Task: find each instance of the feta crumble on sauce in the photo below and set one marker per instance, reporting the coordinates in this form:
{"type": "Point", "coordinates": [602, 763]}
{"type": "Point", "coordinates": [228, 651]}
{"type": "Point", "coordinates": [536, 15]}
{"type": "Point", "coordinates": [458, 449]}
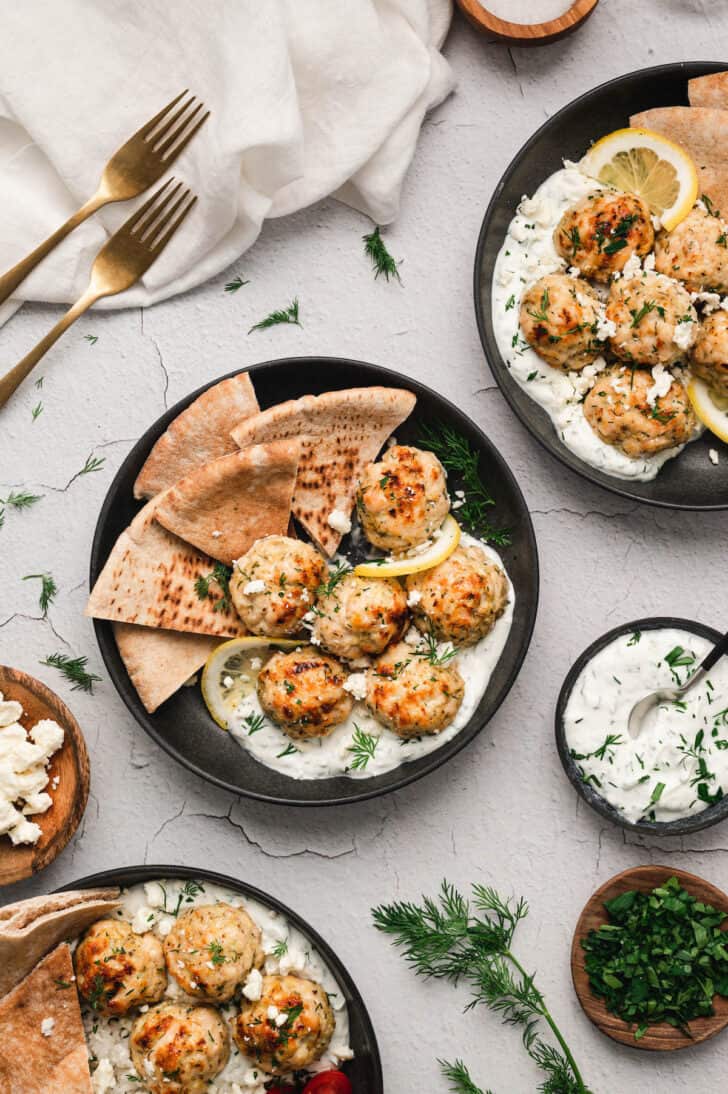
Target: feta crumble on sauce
{"type": "Point", "coordinates": [24, 759]}
{"type": "Point", "coordinates": [528, 254]}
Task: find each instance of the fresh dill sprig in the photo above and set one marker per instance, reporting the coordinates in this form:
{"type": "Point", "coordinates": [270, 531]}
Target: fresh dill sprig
{"type": "Point", "coordinates": [236, 283]}
{"type": "Point", "coordinates": [92, 339]}
{"type": "Point", "coordinates": [284, 315]}
{"type": "Point", "coordinates": [22, 500]}
{"type": "Point", "coordinates": [449, 939]}
{"type": "Point", "coordinates": [48, 590]}
{"type": "Point", "coordinates": [363, 746]}
{"type": "Point", "coordinates": [37, 411]}
{"type": "Point", "coordinates": [434, 655]}
{"type": "Point", "coordinates": [456, 455]}
{"type": "Point", "coordinates": [287, 751]}
{"type": "Point", "coordinates": [39, 381]}
{"type": "Point", "coordinates": [254, 723]}
{"type": "Point", "coordinates": [189, 891]}
{"type": "Point", "coordinates": [280, 949]}
{"type": "Point", "coordinates": [221, 575]}
{"type": "Point", "coordinates": [459, 1078]}
{"type": "Point", "coordinates": [382, 261]}
{"type": "Point", "coordinates": [93, 463]}
{"type": "Point", "coordinates": [336, 574]}
{"type": "Point", "coordinates": [74, 669]}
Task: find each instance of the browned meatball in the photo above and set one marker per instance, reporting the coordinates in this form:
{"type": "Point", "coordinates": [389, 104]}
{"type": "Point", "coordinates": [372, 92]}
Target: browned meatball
{"type": "Point", "coordinates": [117, 969]}
{"type": "Point", "coordinates": [360, 616]}
{"type": "Point", "coordinates": [709, 356]}
{"type": "Point", "coordinates": [402, 500]}
{"type": "Point", "coordinates": [654, 320]}
{"type": "Point", "coordinates": [602, 231]}
{"type": "Point", "coordinates": [618, 410]}
{"type": "Point", "coordinates": [559, 319]}
{"type": "Point", "coordinates": [460, 600]}
{"type": "Point", "coordinates": [303, 692]}
{"type": "Point", "coordinates": [211, 949]}
{"type": "Point", "coordinates": [695, 252]}
{"type": "Point", "coordinates": [274, 585]}
{"type": "Point", "coordinates": [288, 1028]}
{"type": "Point", "coordinates": [412, 696]}
{"type": "Point", "coordinates": [179, 1049]}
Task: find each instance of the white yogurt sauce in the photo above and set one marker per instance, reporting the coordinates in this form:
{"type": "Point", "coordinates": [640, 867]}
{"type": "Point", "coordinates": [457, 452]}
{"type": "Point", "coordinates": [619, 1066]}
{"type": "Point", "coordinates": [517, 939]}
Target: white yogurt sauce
{"type": "Point", "coordinates": [679, 761]}
{"type": "Point", "coordinates": [528, 254]}
{"type": "Point", "coordinates": [329, 756]}
{"type": "Point", "coordinates": [147, 907]}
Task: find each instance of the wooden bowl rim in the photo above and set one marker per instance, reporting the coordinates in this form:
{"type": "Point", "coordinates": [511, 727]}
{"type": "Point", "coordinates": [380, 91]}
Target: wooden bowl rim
{"type": "Point", "coordinates": [38, 859]}
{"type": "Point", "coordinates": [623, 882]}
{"type": "Point", "coordinates": [527, 33]}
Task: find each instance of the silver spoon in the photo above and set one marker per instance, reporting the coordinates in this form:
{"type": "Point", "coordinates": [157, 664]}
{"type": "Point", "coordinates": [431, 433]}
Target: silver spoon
{"type": "Point", "coordinates": [669, 695]}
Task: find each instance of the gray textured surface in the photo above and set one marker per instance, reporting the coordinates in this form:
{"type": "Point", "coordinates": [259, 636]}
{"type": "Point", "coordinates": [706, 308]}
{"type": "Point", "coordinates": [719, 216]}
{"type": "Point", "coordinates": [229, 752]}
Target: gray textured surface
{"type": "Point", "coordinates": [502, 812]}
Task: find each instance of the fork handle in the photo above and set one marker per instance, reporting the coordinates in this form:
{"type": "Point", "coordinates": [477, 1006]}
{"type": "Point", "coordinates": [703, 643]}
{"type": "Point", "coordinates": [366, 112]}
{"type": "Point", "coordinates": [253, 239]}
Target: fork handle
{"type": "Point", "coordinates": [14, 378]}
{"type": "Point", "coordinates": [10, 280]}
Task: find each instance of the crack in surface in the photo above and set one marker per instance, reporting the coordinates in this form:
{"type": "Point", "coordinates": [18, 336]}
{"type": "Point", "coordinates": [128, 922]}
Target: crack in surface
{"type": "Point", "coordinates": [227, 818]}
{"type": "Point", "coordinates": [160, 359]}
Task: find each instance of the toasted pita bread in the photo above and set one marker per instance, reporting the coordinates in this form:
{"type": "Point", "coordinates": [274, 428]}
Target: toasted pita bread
{"type": "Point", "coordinates": [710, 91]}
{"type": "Point", "coordinates": [703, 133]}
{"type": "Point", "coordinates": [29, 929]}
{"type": "Point", "coordinates": [160, 662]}
{"type": "Point", "coordinates": [34, 1062]}
{"type": "Point", "coordinates": [340, 432]}
{"type": "Point", "coordinates": [149, 579]}
{"type": "Point", "coordinates": [223, 507]}
{"type": "Point", "coordinates": [199, 434]}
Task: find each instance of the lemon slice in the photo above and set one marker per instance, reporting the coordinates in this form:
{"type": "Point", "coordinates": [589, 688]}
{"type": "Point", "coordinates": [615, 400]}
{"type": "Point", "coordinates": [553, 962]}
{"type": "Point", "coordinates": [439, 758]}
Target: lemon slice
{"type": "Point", "coordinates": [231, 672]}
{"type": "Point", "coordinates": [440, 549]}
{"type": "Point", "coordinates": [710, 408]}
{"type": "Point", "coordinates": [648, 164]}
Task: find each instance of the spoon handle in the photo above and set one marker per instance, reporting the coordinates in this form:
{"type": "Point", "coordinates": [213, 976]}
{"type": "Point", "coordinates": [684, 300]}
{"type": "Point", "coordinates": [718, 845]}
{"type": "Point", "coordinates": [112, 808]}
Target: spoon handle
{"type": "Point", "coordinates": [715, 654]}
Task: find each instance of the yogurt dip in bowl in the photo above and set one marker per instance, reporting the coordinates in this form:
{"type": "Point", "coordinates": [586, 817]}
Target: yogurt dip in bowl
{"type": "Point", "coordinates": [673, 778]}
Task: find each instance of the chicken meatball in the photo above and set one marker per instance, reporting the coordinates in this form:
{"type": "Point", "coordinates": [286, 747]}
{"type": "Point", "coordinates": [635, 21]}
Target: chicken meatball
{"type": "Point", "coordinates": [653, 320]}
{"type": "Point", "coordinates": [410, 695]}
{"type": "Point", "coordinates": [303, 692]}
{"type": "Point", "coordinates": [179, 1049]}
{"type": "Point", "coordinates": [211, 950]}
{"type": "Point", "coordinates": [709, 356]}
{"type": "Point", "coordinates": [559, 319]}
{"type": "Point", "coordinates": [460, 600]}
{"type": "Point", "coordinates": [360, 616]}
{"type": "Point", "coordinates": [402, 499]}
{"type": "Point", "coordinates": [600, 233]}
{"type": "Point", "coordinates": [288, 1028]}
{"type": "Point", "coordinates": [695, 252]}
{"type": "Point", "coordinates": [274, 584]}
{"type": "Point", "coordinates": [620, 413]}
{"type": "Point", "coordinates": [117, 969]}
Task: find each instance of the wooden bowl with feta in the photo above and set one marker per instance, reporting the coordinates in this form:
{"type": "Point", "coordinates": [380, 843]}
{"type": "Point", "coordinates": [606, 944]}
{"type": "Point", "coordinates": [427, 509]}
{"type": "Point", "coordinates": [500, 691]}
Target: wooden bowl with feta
{"type": "Point", "coordinates": [44, 775]}
{"type": "Point", "coordinates": [530, 29]}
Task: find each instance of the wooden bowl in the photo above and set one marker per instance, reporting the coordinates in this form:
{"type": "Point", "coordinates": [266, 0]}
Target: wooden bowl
{"type": "Point", "coordinates": [527, 34]}
{"type": "Point", "coordinates": [661, 1037]}
{"type": "Point", "coordinates": [70, 764]}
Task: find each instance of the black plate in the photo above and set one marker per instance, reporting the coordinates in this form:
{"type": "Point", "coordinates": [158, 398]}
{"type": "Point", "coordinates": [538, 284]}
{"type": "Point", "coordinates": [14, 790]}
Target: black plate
{"type": "Point", "coordinates": [182, 725]}
{"type": "Point", "coordinates": [685, 825]}
{"type": "Point", "coordinates": [365, 1070]}
{"type": "Point", "coordinates": [689, 481]}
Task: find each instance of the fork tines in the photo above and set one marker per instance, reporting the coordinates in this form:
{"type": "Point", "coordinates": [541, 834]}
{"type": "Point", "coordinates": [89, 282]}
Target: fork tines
{"type": "Point", "coordinates": [167, 134]}
{"type": "Point", "coordinates": [154, 216]}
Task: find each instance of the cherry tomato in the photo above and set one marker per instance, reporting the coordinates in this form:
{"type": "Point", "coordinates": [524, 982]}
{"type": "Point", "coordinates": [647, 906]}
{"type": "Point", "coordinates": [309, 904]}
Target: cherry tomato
{"type": "Point", "coordinates": [328, 1082]}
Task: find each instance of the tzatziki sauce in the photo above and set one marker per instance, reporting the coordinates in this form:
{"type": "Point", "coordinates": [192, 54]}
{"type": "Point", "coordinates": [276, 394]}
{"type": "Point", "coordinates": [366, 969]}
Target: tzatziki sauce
{"type": "Point", "coordinates": [678, 764]}
{"type": "Point", "coordinates": [326, 757]}
{"type": "Point", "coordinates": [528, 254]}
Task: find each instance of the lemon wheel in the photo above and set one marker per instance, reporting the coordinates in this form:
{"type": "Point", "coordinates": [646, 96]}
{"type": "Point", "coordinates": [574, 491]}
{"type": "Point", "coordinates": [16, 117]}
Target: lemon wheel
{"type": "Point", "coordinates": [231, 672]}
{"type": "Point", "coordinates": [710, 408]}
{"type": "Point", "coordinates": [649, 165]}
{"type": "Point", "coordinates": [440, 549]}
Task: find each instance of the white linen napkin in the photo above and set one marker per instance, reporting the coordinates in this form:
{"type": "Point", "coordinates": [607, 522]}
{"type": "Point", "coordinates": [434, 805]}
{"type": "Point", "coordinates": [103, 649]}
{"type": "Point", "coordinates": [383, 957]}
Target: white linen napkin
{"type": "Point", "coordinates": [308, 98]}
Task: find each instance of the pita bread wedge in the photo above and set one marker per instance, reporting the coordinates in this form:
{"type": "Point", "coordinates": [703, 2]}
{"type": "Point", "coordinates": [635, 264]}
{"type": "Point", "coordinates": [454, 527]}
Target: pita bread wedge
{"type": "Point", "coordinates": [29, 929]}
{"type": "Point", "coordinates": [223, 507]}
{"type": "Point", "coordinates": [340, 432]}
{"type": "Point", "coordinates": [703, 133]}
{"type": "Point", "coordinates": [199, 434]}
{"type": "Point", "coordinates": [160, 662]}
{"type": "Point", "coordinates": [149, 579]}
{"type": "Point", "coordinates": [710, 91]}
{"type": "Point", "coordinates": [42, 1043]}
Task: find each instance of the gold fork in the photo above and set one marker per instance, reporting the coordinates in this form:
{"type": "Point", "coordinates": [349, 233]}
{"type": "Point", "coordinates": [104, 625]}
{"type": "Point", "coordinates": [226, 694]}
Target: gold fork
{"type": "Point", "coordinates": [120, 262]}
{"type": "Point", "coordinates": [132, 169]}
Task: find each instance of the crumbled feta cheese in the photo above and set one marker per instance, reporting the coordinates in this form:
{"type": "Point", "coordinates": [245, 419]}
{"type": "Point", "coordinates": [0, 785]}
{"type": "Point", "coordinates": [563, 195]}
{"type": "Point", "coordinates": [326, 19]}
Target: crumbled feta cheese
{"type": "Point", "coordinates": [649, 262]}
{"type": "Point", "coordinates": [24, 761]}
{"type": "Point", "coordinates": [712, 455]}
{"type": "Point", "coordinates": [103, 1079]}
{"type": "Point", "coordinates": [216, 534]}
{"type": "Point", "coordinates": [227, 681]}
{"type": "Point", "coordinates": [253, 986]}
{"type": "Point", "coordinates": [339, 521]}
{"type": "Point", "coordinates": [281, 1019]}
{"type": "Point", "coordinates": [254, 587]}
{"type": "Point", "coordinates": [662, 382]}
{"type": "Point", "coordinates": [356, 685]}
{"type": "Point", "coordinates": [632, 267]}
{"type": "Point", "coordinates": [144, 918]}
{"type": "Point", "coordinates": [685, 333]}
{"type": "Point", "coordinates": [574, 271]}
{"type": "Point", "coordinates": [413, 637]}
{"type": "Point", "coordinates": [710, 301]}
{"type": "Point", "coordinates": [47, 1026]}
{"type": "Point", "coordinates": [305, 598]}
{"type": "Point", "coordinates": [415, 596]}
{"type": "Point", "coordinates": [256, 663]}
{"type": "Point", "coordinates": [273, 1012]}
{"type": "Point", "coordinates": [606, 328]}
{"type": "Point", "coordinates": [10, 711]}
